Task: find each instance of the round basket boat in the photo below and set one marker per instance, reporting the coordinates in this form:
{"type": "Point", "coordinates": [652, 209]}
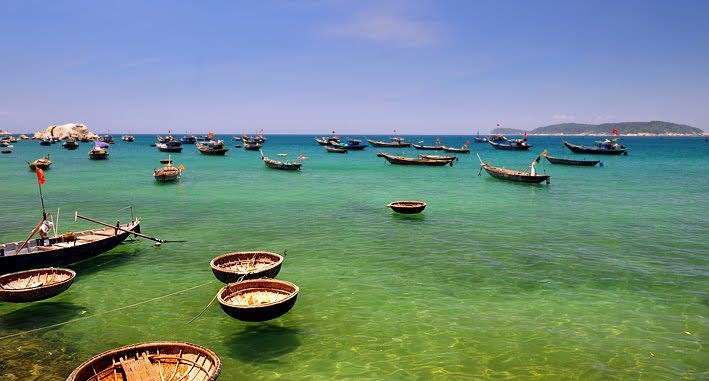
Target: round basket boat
{"type": "Point", "coordinates": [407, 207]}
{"type": "Point", "coordinates": [167, 360]}
{"type": "Point", "coordinates": [258, 299]}
{"type": "Point", "coordinates": [241, 265]}
{"type": "Point", "coordinates": [34, 285]}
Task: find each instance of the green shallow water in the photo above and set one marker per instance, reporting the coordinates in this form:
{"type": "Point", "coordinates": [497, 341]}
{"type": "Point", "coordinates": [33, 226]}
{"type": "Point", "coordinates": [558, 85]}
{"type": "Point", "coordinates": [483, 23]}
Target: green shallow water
{"type": "Point", "coordinates": [600, 275]}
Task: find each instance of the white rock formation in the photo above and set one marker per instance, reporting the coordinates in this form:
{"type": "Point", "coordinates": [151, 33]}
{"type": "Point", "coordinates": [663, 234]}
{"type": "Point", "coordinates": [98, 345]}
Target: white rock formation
{"type": "Point", "coordinates": [64, 131]}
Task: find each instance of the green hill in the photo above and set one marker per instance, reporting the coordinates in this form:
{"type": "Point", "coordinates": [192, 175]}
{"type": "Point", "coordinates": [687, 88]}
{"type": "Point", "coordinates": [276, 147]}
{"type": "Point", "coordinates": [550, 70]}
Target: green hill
{"type": "Point", "coordinates": [507, 131]}
{"type": "Point", "coordinates": [624, 128]}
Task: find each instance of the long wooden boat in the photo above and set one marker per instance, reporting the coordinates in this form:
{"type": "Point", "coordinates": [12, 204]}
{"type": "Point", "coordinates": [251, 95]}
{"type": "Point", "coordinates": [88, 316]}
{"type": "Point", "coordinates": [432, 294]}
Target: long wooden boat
{"type": "Point", "coordinates": [407, 207]}
{"type": "Point", "coordinates": [258, 299]}
{"type": "Point", "coordinates": [423, 147]}
{"type": "Point", "coordinates": [438, 157]}
{"type": "Point", "coordinates": [156, 361]}
{"type": "Point", "coordinates": [213, 148]}
{"type": "Point", "coordinates": [463, 149]}
{"type": "Point", "coordinates": [34, 285]}
{"type": "Point", "coordinates": [252, 146]}
{"type": "Point", "coordinates": [603, 147]}
{"type": "Point", "coordinates": [393, 143]}
{"type": "Point", "coordinates": [352, 144]}
{"type": "Point", "coordinates": [243, 265]}
{"type": "Point", "coordinates": [168, 172]}
{"type": "Point", "coordinates": [402, 160]}
{"type": "Point", "coordinates": [6, 151]}
{"type": "Point", "coordinates": [283, 165]}
{"type": "Point", "coordinates": [584, 163]}
{"type": "Point", "coordinates": [335, 149]}
{"type": "Point", "coordinates": [128, 138]}
{"type": "Point", "coordinates": [511, 145]}
{"type": "Point", "coordinates": [42, 163]}
{"type": "Point", "coordinates": [64, 249]}
{"type": "Point", "coordinates": [528, 176]}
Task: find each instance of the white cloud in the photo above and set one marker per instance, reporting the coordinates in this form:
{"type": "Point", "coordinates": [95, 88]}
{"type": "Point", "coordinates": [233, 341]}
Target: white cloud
{"type": "Point", "coordinates": [563, 117]}
{"type": "Point", "coordinates": [389, 28]}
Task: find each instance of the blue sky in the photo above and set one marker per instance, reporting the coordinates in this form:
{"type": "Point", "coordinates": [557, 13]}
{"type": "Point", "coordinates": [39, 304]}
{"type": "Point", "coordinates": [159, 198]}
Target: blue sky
{"type": "Point", "coordinates": [437, 67]}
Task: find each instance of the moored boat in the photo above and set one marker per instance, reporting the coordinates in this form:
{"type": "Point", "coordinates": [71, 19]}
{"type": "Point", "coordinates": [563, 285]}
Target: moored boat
{"type": "Point", "coordinates": [62, 249]}
{"type": "Point", "coordinates": [396, 142]}
{"type": "Point", "coordinates": [34, 285]}
{"type": "Point", "coordinates": [243, 265]}
{"type": "Point", "coordinates": [601, 147]}
{"type": "Point", "coordinates": [527, 176]}
{"type": "Point", "coordinates": [463, 149]}
{"type": "Point", "coordinates": [169, 146]}
{"type": "Point", "coordinates": [252, 146]}
{"type": "Point", "coordinates": [258, 299]}
{"type": "Point", "coordinates": [335, 149]}
{"type": "Point", "coordinates": [155, 361]}
{"type": "Point", "coordinates": [583, 163]}
{"type": "Point", "coordinates": [128, 138]}
{"type": "Point", "coordinates": [168, 172]}
{"type": "Point", "coordinates": [403, 160]}
{"type": "Point", "coordinates": [213, 148]}
{"type": "Point", "coordinates": [99, 152]}
{"type": "Point", "coordinates": [437, 147]}
{"type": "Point", "coordinates": [41, 163]}
{"type": "Point", "coordinates": [70, 144]}
{"type": "Point", "coordinates": [188, 139]}
{"type": "Point", "coordinates": [407, 207]}
{"type": "Point", "coordinates": [284, 165]}
{"type": "Point", "coordinates": [438, 157]}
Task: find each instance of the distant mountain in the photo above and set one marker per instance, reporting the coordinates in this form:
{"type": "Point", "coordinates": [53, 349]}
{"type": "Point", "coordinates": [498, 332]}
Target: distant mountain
{"type": "Point", "coordinates": [507, 131]}
{"type": "Point", "coordinates": [624, 128]}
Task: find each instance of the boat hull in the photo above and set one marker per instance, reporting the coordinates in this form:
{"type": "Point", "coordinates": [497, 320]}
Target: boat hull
{"type": "Point", "coordinates": [260, 312]}
{"type": "Point", "coordinates": [230, 268]}
{"type": "Point", "coordinates": [377, 143]}
{"type": "Point", "coordinates": [62, 255]}
{"type": "Point", "coordinates": [407, 207]}
{"type": "Point", "coordinates": [592, 150]}
{"type": "Point", "coordinates": [582, 163]}
{"type": "Point", "coordinates": [520, 177]}
{"type": "Point", "coordinates": [15, 287]}
{"type": "Point", "coordinates": [399, 160]}
{"type": "Point", "coordinates": [510, 147]}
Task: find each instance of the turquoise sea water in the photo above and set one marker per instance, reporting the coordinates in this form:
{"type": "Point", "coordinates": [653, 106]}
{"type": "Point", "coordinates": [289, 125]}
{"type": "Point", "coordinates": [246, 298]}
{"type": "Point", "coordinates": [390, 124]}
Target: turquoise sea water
{"type": "Point", "coordinates": [601, 275]}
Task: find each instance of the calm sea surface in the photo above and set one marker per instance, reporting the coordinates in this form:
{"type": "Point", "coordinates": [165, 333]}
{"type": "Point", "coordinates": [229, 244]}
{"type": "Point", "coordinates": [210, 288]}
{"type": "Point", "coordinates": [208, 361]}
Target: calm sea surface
{"type": "Point", "coordinates": [601, 275]}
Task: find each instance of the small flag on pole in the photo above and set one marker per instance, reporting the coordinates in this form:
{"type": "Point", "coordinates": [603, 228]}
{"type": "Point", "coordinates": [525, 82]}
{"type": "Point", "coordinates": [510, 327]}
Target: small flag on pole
{"type": "Point", "coordinates": [615, 131]}
{"type": "Point", "coordinates": [181, 167]}
{"type": "Point", "coordinates": [40, 175]}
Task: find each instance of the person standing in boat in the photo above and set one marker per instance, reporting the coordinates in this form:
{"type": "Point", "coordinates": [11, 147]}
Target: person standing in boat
{"type": "Point", "coordinates": [44, 230]}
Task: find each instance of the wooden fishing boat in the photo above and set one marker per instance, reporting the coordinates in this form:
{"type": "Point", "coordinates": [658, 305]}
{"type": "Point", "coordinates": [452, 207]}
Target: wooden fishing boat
{"type": "Point", "coordinates": [583, 163]}
{"type": "Point", "coordinates": [403, 160]}
{"type": "Point", "coordinates": [438, 157]}
{"type": "Point", "coordinates": [243, 265]}
{"type": "Point", "coordinates": [64, 249]}
{"type": "Point", "coordinates": [98, 153]}
{"type": "Point", "coordinates": [335, 149]}
{"type": "Point", "coordinates": [165, 161]}
{"type": "Point", "coordinates": [170, 146]}
{"type": "Point", "coordinates": [128, 138]}
{"type": "Point", "coordinates": [480, 140]}
{"type": "Point", "coordinates": [463, 149]}
{"type": "Point", "coordinates": [284, 165]}
{"type": "Point", "coordinates": [45, 142]}
{"type": "Point", "coordinates": [393, 143]}
{"type": "Point", "coordinates": [168, 172]}
{"type": "Point", "coordinates": [252, 146]}
{"type": "Point", "coordinates": [258, 299]}
{"type": "Point", "coordinates": [6, 151]}
{"type": "Point", "coordinates": [213, 148]}
{"type": "Point", "coordinates": [511, 145]}
{"type": "Point", "coordinates": [108, 139]}
{"type": "Point", "coordinates": [70, 144]}
{"type": "Point", "coordinates": [34, 285]}
{"type": "Point", "coordinates": [423, 147]}
{"type": "Point", "coordinates": [407, 207]}
{"type": "Point", "coordinates": [156, 361]}
{"type": "Point", "coordinates": [528, 176]}
{"type": "Point", "coordinates": [602, 147]}
{"type": "Point", "coordinates": [352, 144]}
{"type": "Point", "coordinates": [325, 140]}
{"type": "Point", "coordinates": [188, 139]}
{"type": "Point", "coordinates": [42, 163]}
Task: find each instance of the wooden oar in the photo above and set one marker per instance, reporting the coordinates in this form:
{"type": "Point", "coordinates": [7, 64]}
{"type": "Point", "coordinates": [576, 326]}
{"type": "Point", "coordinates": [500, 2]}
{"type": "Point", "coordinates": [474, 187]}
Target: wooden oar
{"type": "Point", "coordinates": [158, 240]}
{"type": "Point", "coordinates": [30, 236]}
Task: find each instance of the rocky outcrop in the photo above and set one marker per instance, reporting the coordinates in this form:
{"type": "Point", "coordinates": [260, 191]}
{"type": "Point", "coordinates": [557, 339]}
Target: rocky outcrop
{"type": "Point", "coordinates": [64, 131]}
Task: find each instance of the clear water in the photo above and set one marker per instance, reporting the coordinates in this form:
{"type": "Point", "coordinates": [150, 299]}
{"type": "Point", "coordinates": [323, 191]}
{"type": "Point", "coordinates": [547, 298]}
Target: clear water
{"type": "Point", "coordinates": [600, 275]}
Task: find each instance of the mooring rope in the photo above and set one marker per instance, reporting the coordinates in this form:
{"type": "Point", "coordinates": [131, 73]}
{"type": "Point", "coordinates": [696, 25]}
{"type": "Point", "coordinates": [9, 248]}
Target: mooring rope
{"type": "Point", "coordinates": [104, 312]}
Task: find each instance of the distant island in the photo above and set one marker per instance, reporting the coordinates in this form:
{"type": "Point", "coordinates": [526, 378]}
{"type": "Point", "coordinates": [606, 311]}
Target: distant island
{"type": "Point", "coordinates": [653, 128]}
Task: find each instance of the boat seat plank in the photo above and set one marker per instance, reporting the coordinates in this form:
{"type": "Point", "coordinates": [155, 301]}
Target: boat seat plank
{"type": "Point", "coordinates": [140, 369]}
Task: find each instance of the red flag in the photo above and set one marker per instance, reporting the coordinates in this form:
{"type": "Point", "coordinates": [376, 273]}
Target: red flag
{"type": "Point", "coordinates": [615, 131]}
{"type": "Point", "coordinates": [40, 175]}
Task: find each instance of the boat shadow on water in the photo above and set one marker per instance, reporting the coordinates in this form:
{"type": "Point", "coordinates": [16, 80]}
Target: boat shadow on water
{"type": "Point", "coordinates": [268, 340]}
{"type": "Point", "coordinates": [39, 314]}
{"type": "Point", "coordinates": [115, 258]}
{"type": "Point", "coordinates": [418, 217]}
